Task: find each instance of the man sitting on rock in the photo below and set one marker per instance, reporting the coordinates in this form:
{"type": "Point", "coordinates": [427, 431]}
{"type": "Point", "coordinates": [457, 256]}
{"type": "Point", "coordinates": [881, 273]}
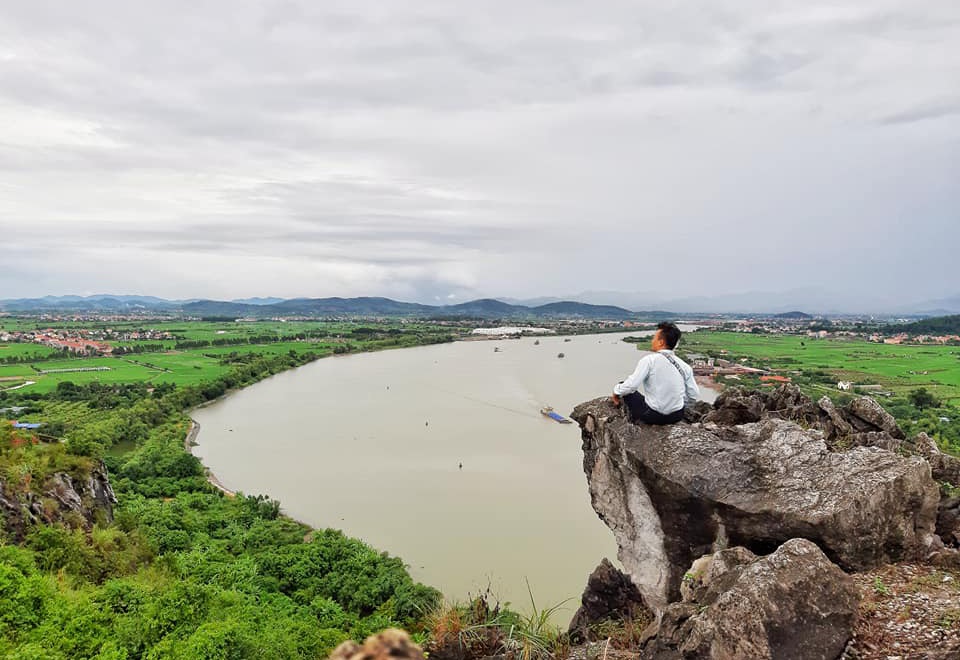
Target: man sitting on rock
{"type": "Point", "coordinates": [667, 381]}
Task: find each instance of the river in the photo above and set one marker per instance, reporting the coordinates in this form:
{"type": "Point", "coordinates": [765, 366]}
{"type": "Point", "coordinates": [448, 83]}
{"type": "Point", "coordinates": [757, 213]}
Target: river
{"type": "Point", "coordinates": [373, 444]}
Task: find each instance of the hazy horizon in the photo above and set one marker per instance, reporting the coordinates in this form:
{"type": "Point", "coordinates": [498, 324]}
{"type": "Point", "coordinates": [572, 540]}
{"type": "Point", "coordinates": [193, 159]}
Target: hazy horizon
{"type": "Point", "coordinates": [437, 152]}
{"type": "Point", "coordinates": [809, 301]}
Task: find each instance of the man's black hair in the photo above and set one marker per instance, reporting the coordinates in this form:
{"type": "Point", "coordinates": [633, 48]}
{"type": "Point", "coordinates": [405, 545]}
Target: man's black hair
{"type": "Point", "coordinates": [670, 333]}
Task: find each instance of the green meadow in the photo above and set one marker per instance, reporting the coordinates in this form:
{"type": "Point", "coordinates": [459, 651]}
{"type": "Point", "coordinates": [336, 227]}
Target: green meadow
{"type": "Point", "coordinates": [21, 350]}
{"type": "Point", "coordinates": [223, 342]}
{"type": "Point", "coordinates": [210, 330]}
{"type": "Point", "coordinates": [178, 367]}
{"type": "Point", "coordinates": [897, 368]}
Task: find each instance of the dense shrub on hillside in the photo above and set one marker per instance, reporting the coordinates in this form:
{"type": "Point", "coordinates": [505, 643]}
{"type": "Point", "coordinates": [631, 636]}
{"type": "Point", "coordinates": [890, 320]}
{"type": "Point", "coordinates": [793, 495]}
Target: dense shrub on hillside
{"type": "Point", "coordinates": [198, 575]}
{"type": "Point", "coordinates": [183, 571]}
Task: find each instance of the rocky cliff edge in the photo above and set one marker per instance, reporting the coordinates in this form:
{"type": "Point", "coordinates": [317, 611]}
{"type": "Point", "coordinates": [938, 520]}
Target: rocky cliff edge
{"type": "Point", "coordinates": [756, 470]}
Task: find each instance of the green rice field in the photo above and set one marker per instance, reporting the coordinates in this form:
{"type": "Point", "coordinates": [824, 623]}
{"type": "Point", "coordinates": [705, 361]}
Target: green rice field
{"type": "Point", "coordinates": [178, 367]}
{"type": "Point", "coordinates": [20, 350]}
{"type": "Point", "coordinates": [898, 368]}
{"type": "Point", "coordinates": [187, 365]}
{"type": "Point", "coordinates": [204, 330]}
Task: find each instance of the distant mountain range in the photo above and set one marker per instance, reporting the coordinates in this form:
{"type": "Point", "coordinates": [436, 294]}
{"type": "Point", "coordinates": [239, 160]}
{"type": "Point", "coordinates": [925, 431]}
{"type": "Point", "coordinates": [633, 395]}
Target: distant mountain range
{"type": "Point", "coordinates": [587, 304]}
{"type": "Point", "coordinates": [486, 308]}
{"type": "Point", "coordinates": [98, 303]}
{"type": "Point", "coordinates": [258, 301]}
{"type": "Point", "coordinates": [812, 300]}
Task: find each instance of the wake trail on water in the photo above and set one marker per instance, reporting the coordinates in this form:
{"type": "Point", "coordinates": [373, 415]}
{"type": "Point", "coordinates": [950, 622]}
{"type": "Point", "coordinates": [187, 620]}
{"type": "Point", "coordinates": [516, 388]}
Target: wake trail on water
{"type": "Point", "coordinates": [480, 401]}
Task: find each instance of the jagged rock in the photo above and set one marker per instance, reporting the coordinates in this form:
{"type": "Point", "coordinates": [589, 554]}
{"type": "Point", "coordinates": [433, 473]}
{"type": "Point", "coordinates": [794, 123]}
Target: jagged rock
{"type": "Point", "coordinates": [948, 521]}
{"type": "Point", "coordinates": [793, 603]}
{"type": "Point", "coordinates": [391, 644]}
{"type": "Point", "coordinates": [669, 493]}
{"type": "Point", "coordinates": [738, 405]}
{"type": "Point", "coordinates": [880, 439]}
{"type": "Point", "coordinates": [943, 467]}
{"type": "Point", "coordinates": [788, 402]}
{"type": "Point", "coordinates": [696, 411]}
{"type": "Point", "coordinates": [610, 595]}
{"type": "Point", "coordinates": [709, 568]}
{"type": "Point", "coordinates": [80, 498]}
{"type": "Point", "coordinates": [865, 414]}
{"type": "Point", "coordinates": [735, 406]}
{"type": "Point", "coordinates": [834, 424]}
{"type": "Point", "coordinates": [857, 424]}
{"type": "Point", "coordinates": [661, 641]}
{"type": "Point", "coordinates": [60, 487]}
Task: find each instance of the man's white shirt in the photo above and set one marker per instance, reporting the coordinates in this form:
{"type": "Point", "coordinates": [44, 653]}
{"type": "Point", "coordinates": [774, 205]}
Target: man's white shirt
{"type": "Point", "coordinates": [665, 389]}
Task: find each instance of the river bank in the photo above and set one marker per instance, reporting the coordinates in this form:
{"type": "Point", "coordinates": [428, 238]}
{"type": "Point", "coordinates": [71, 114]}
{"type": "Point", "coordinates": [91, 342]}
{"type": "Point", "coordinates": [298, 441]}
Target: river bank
{"type": "Point", "coordinates": [438, 454]}
{"type": "Point", "coordinates": [188, 443]}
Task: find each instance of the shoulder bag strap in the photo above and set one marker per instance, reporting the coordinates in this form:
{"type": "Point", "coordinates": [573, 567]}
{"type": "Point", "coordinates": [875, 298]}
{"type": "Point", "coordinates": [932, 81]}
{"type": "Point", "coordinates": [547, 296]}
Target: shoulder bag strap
{"type": "Point", "coordinates": [674, 363]}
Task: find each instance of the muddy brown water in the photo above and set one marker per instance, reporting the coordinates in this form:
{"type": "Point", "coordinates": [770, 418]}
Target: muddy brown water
{"type": "Point", "coordinates": [373, 444]}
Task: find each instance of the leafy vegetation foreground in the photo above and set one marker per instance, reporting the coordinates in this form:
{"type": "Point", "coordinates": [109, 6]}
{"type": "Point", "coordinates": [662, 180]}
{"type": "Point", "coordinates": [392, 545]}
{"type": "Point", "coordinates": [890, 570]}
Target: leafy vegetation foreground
{"type": "Point", "coordinates": [181, 571]}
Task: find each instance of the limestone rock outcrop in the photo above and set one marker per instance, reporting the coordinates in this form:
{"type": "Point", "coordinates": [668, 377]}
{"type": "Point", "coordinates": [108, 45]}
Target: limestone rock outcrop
{"type": "Point", "coordinates": [862, 422]}
{"type": "Point", "coordinates": [793, 603]}
{"type": "Point", "coordinates": [79, 499]}
{"type": "Point", "coordinates": [944, 467]}
{"type": "Point", "coordinates": [609, 595]}
{"type": "Point", "coordinates": [755, 471]}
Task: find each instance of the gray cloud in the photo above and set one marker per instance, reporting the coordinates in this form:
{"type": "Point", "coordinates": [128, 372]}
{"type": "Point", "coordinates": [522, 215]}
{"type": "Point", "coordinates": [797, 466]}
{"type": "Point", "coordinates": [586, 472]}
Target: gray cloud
{"type": "Point", "coordinates": [933, 110]}
{"type": "Point", "coordinates": [503, 148]}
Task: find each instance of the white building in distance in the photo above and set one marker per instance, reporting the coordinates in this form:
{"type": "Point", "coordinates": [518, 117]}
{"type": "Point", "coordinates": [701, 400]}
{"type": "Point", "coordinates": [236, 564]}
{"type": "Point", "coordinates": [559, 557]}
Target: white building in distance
{"type": "Point", "coordinates": [506, 331]}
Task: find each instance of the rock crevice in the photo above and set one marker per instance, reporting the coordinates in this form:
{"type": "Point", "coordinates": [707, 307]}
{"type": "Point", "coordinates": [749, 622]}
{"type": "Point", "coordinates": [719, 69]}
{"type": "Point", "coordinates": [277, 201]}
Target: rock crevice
{"type": "Point", "coordinates": [77, 500]}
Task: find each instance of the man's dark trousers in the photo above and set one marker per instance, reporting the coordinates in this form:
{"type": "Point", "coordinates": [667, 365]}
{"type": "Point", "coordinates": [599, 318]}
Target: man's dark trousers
{"type": "Point", "coordinates": [641, 412]}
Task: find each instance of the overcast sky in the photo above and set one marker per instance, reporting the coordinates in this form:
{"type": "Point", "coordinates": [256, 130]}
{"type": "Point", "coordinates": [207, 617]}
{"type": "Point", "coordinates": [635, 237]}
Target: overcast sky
{"type": "Point", "coordinates": [446, 150]}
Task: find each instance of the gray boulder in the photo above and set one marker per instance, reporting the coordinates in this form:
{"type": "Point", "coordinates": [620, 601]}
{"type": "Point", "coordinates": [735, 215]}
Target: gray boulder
{"type": "Point", "coordinates": [793, 603]}
{"type": "Point", "coordinates": [670, 494]}
{"type": "Point", "coordinates": [832, 422]}
{"type": "Point", "coordinates": [866, 414]}
{"type": "Point", "coordinates": [944, 467]}
{"type": "Point", "coordinates": [862, 422]}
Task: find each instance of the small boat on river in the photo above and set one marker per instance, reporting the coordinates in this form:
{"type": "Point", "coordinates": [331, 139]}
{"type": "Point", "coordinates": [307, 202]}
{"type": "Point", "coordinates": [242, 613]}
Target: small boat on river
{"type": "Point", "coordinates": [555, 416]}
